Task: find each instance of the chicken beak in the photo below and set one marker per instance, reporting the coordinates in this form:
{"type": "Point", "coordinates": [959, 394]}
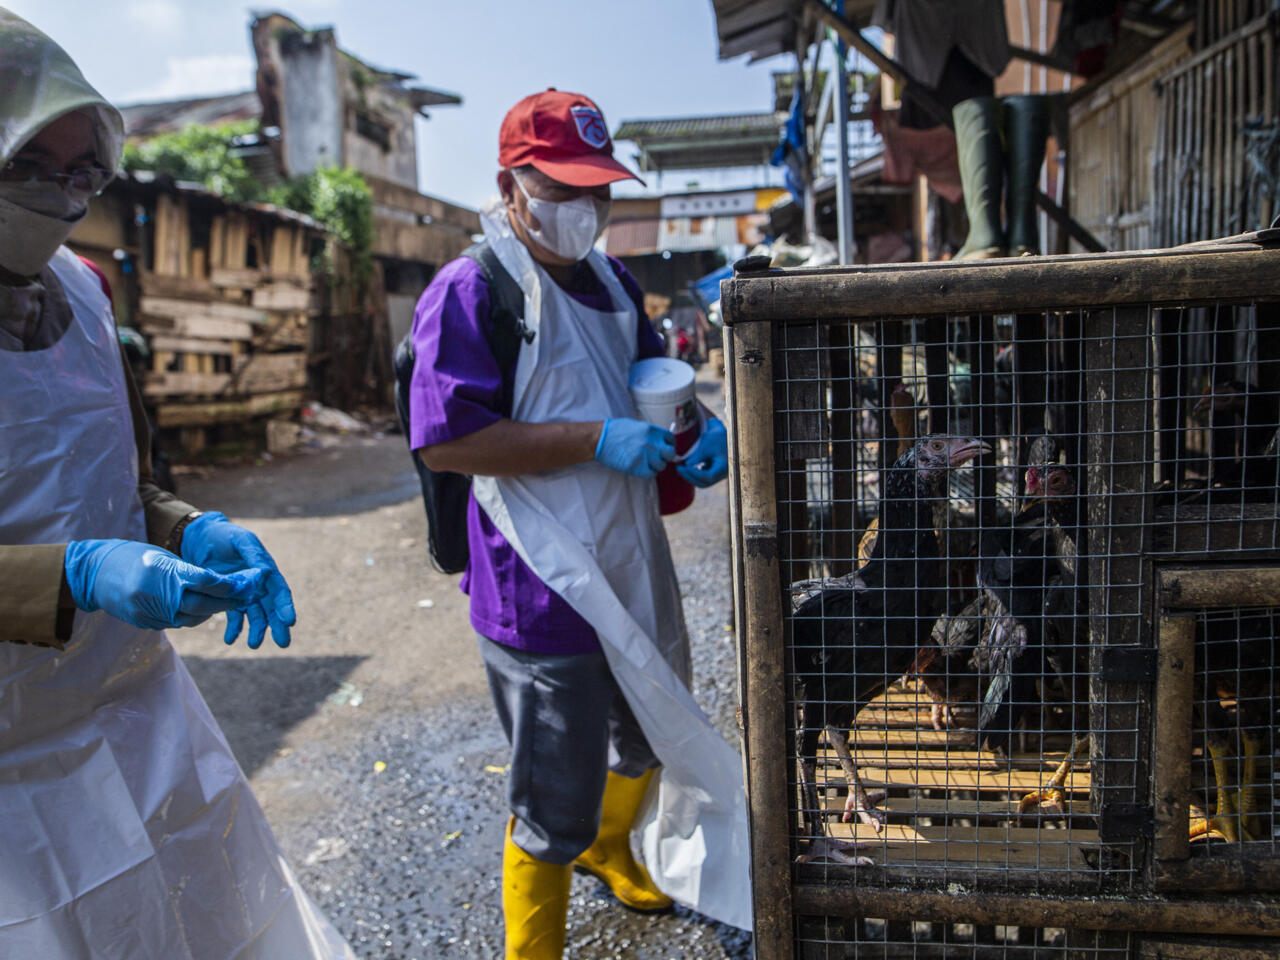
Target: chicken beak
{"type": "Point", "coordinates": [962, 451]}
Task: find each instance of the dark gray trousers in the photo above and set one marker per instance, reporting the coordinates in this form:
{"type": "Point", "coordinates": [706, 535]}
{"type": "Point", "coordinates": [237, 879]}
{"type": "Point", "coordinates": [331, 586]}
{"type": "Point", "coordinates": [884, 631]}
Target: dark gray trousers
{"type": "Point", "coordinates": [568, 724]}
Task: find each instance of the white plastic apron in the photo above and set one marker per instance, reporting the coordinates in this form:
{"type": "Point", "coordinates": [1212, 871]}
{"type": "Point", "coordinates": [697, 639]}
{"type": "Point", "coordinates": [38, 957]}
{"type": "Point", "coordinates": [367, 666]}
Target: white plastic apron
{"type": "Point", "coordinates": [127, 829]}
{"type": "Point", "coordinates": [594, 536]}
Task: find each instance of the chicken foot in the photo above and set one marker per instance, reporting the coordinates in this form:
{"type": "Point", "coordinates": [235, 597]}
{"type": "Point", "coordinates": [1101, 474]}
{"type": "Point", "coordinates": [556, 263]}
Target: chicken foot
{"type": "Point", "coordinates": [1248, 805]}
{"type": "Point", "coordinates": [859, 802]}
{"type": "Point", "coordinates": [1225, 822]}
{"type": "Point", "coordinates": [822, 847]}
{"type": "Point", "coordinates": [1052, 792]}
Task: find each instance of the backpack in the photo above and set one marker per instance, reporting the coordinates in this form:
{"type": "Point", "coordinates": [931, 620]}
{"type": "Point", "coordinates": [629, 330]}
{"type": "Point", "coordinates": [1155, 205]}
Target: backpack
{"type": "Point", "coordinates": [444, 494]}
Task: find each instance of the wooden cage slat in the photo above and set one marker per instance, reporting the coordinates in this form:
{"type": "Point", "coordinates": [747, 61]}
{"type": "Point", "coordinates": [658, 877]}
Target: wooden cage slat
{"type": "Point", "coordinates": [1171, 751]}
{"type": "Point", "coordinates": [1006, 286]}
{"type": "Point", "coordinates": [1120, 447]}
{"type": "Point", "coordinates": [762, 641]}
{"type": "Point", "coordinates": [1220, 587]}
{"type": "Point", "coordinates": [1247, 916]}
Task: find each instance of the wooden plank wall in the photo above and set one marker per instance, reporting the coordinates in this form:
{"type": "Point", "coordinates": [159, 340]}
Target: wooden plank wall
{"type": "Point", "coordinates": [1113, 142]}
{"type": "Point", "coordinates": [1219, 19]}
{"type": "Point", "coordinates": [1205, 184]}
{"type": "Point", "coordinates": [228, 339]}
{"type": "Point", "coordinates": [1160, 152]}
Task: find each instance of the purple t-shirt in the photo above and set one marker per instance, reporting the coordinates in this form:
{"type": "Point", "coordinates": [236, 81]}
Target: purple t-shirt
{"type": "Point", "coordinates": [458, 389]}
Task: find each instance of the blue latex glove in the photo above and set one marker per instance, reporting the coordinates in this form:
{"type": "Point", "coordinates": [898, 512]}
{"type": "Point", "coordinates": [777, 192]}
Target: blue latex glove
{"type": "Point", "coordinates": [708, 461]}
{"type": "Point", "coordinates": [213, 541]}
{"type": "Point", "coordinates": [634, 447]}
{"type": "Point", "coordinates": [149, 587]}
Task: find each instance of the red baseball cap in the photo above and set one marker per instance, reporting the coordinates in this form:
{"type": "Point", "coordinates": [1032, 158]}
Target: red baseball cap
{"type": "Point", "coordinates": [564, 136]}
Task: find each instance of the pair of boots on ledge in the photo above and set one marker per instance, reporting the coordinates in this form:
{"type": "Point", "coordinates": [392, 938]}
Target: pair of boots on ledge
{"type": "Point", "coordinates": [1000, 144]}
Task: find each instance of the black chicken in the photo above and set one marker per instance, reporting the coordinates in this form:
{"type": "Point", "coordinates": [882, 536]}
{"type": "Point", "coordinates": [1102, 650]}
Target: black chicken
{"type": "Point", "coordinates": [1030, 587]}
{"type": "Point", "coordinates": [851, 641]}
{"type": "Point", "coordinates": [1244, 422]}
{"type": "Point", "coordinates": [1066, 618]}
{"type": "Point", "coordinates": [957, 662]}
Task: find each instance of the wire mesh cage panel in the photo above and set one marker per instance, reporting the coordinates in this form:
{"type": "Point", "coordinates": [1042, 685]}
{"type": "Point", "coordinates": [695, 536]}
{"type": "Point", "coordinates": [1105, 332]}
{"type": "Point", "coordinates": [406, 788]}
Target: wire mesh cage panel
{"type": "Point", "coordinates": [970, 504]}
{"type": "Point", "coordinates": [827, 938]}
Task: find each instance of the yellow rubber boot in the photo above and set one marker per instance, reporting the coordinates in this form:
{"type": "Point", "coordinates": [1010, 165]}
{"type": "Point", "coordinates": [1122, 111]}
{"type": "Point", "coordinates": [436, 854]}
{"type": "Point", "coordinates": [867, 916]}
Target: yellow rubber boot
{"type": "Point", "coordinates": [609, 857]}
{"type": "Point", "coordinates": [535, 901]}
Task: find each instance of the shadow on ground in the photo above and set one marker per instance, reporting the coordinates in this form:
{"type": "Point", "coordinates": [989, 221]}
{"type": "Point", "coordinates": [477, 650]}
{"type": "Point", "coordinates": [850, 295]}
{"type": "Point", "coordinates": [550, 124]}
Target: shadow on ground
{"type": "Point", "coordinates": [280, 693]}
{"type": "Point", "coordinates": [353, 475]}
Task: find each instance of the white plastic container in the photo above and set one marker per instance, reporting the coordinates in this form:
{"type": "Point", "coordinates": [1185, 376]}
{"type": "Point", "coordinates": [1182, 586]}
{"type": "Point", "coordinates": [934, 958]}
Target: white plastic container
{"type": "Point", "coordinates": [664, 394]}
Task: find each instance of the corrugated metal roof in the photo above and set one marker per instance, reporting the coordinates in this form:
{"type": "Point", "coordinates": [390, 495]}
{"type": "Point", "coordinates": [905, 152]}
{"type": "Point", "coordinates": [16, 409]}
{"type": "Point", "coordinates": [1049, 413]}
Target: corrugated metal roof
{"type": "Point", "coordinates": [761, 28]}
{"type": "Point", "coordinates": [148, 119]}
{"type": "Point", "coordinates": [690, 143]}
{"type": "Point", "coordinates": [691, 128]}
{"type": "Point", "coordinates": [632, 238]}
{"type": "Point", "coordinates": [765, 28]}
{"type": "Point", "coordinates": [686, 234]}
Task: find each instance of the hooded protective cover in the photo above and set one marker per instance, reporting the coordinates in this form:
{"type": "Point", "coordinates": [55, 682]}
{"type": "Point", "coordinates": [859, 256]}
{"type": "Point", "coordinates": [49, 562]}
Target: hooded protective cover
{"type": "Point", "coordinates": [38, 84]}
{"type": "Point", "coordinates": [126, 826]}
{"type": "Point", "coordinates": [611, 562]}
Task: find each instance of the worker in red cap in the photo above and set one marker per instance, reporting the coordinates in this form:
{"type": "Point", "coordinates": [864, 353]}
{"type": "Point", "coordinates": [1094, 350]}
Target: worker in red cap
{"type": "Point", "coordinates": [523, 351]}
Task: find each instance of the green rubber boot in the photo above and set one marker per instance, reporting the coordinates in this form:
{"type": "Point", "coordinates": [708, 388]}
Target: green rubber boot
{"type": "Point", "coordinates": [981, 156]}
{"type": "Point", "coordinates": [1026, 125]}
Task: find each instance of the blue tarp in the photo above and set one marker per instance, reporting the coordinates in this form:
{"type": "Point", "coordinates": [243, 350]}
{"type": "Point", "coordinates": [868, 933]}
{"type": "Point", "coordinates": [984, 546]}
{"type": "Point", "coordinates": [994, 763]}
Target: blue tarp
{"type": "Point", "coordinates": [708, 288]}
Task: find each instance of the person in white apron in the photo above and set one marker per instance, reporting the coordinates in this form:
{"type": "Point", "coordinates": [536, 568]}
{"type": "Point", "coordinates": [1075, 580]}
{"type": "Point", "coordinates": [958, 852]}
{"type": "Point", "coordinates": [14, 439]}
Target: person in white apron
{"type": "Point", "coordinates": [128, 829]}
{"type": "Point", "coordinates": [573, 592]}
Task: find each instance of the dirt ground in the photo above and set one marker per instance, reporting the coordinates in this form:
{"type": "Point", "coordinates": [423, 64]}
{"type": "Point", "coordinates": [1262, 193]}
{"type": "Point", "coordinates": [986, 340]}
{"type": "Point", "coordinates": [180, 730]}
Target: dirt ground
{"type": "Point", "coordinates": [371, 742]}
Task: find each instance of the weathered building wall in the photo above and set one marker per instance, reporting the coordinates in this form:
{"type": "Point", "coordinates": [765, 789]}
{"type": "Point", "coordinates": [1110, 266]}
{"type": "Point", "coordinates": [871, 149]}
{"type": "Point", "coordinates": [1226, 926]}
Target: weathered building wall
{"type": "Point", "coordinates": [312, 105]}
{"type": "Point", "coordinates": [409, 225]}
{"type": "Point", "coordinates": [377, 131]}
{"type": "Point", "coordinates": [298, 84]}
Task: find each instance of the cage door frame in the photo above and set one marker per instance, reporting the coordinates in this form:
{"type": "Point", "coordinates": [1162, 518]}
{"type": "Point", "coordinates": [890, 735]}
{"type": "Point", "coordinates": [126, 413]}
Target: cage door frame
{"type": "Point", "coordinates": [1181, 591]}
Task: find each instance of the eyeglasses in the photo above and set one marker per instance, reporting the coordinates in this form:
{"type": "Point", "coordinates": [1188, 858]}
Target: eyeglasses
{"type": "Point", "coordinates": [89, 180]}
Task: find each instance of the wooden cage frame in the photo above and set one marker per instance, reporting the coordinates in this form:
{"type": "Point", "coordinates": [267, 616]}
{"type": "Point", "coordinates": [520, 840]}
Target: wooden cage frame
{"type": "Point", "coordinates": [757, 302]}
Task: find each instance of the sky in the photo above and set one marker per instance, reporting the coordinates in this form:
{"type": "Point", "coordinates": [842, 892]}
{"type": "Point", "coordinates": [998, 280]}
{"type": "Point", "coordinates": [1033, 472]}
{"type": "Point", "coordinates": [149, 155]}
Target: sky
{"type": "Point", "coordinates": [639, 59]}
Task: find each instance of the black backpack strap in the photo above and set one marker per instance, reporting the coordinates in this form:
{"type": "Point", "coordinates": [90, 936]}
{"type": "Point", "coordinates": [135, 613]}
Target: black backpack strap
{"type": "Point", "coordinates": [506, 306]}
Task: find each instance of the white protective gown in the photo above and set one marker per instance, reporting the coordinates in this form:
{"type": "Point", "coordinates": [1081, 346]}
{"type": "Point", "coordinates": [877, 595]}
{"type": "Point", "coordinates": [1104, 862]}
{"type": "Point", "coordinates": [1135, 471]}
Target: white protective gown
{"type": "Point", "coordinates": [127, 828]}
{"type": "Point", "coordinates": [594, 536]}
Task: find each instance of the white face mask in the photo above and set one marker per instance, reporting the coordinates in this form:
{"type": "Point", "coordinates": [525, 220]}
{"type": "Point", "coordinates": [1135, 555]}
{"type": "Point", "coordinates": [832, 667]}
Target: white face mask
{"type": "Point", "coordinates": [35, 219]}
{"type": "Point", "coordinates": [569, 229]}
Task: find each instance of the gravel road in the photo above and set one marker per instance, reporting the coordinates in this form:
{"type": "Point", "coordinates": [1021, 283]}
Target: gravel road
{"type": "Point", "coordinates": [371, 742]}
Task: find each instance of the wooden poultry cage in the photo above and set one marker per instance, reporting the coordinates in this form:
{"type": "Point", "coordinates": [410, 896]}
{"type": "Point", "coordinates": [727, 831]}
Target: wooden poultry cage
{"type": "Point", "coordinates": [999, 528]}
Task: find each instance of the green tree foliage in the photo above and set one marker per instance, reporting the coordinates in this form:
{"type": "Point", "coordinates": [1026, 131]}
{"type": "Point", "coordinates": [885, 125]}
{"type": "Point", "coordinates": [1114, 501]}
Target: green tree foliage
{"type": "Point", "coordinates": [203, 155]}
{"type": "Point", "coordinates": [341, 200]}
{"type": "Point", "coordinates": [338, 198]}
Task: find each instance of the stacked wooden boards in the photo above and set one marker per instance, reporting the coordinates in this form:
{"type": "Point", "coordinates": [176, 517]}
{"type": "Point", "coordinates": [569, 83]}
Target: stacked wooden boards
{"type": "Point", "coordinates": [226, 316]}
